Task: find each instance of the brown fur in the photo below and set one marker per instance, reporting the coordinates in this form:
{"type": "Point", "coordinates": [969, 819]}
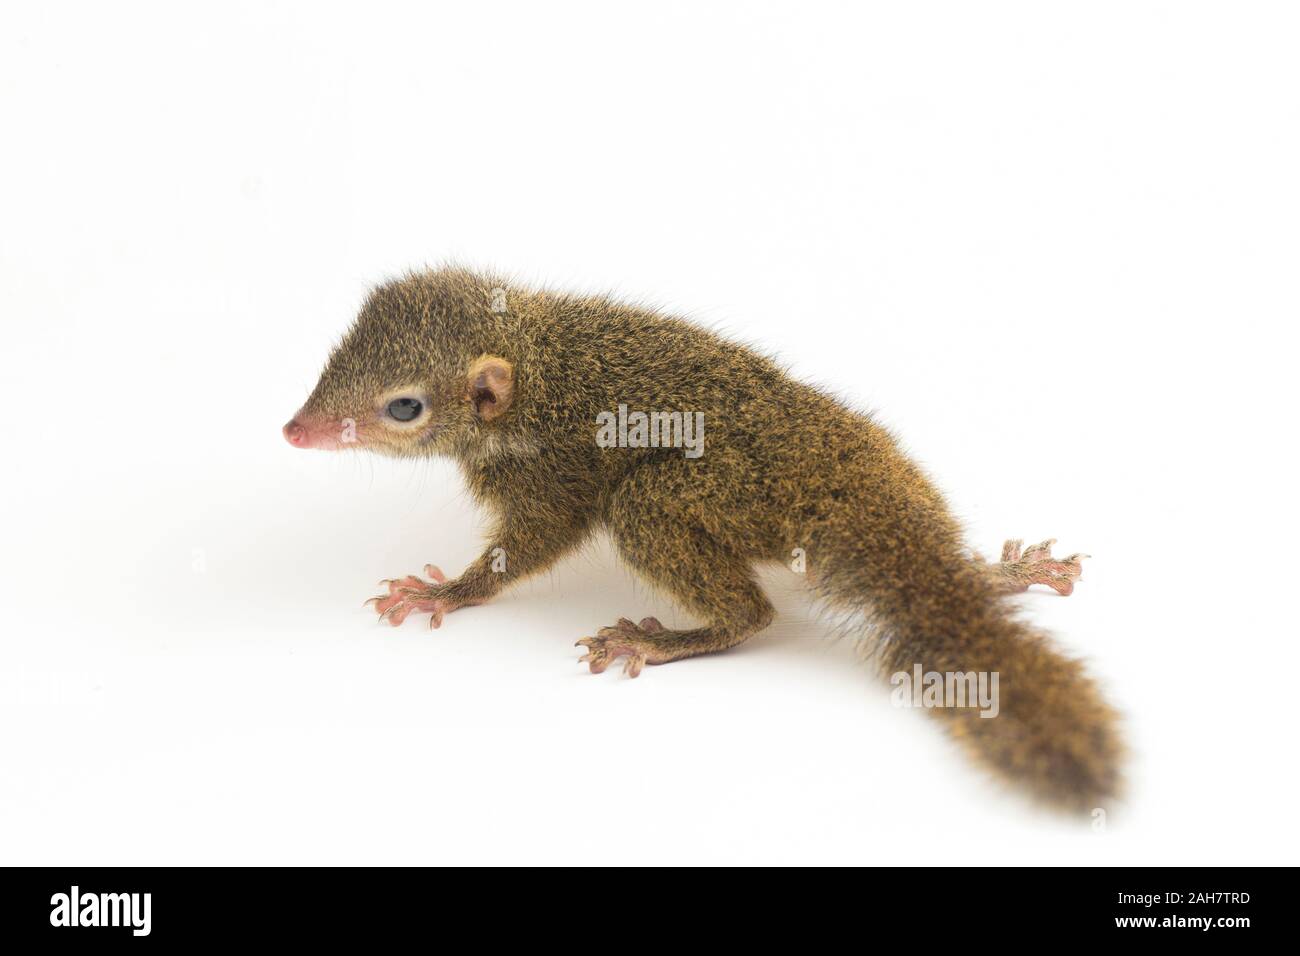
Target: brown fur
{"type": "Point", "coordinates": [514, 397]}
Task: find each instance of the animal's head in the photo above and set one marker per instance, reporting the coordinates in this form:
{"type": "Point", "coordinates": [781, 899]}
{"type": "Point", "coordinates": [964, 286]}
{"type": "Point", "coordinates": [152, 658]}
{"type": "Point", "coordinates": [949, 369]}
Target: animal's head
{"type": "Point", "coordinates": [411, 377]}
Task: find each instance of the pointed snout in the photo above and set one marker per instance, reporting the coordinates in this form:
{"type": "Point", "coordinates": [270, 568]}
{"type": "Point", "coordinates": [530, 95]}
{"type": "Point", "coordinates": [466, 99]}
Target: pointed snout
{"type": "Point", "coordinates": [310, 431]}
{"type": "Point", "coordinates": [295, 433]}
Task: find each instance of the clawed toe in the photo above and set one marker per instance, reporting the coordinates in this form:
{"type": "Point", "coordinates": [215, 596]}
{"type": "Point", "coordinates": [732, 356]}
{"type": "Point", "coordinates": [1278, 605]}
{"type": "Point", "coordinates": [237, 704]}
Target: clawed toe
{"type": "Point", "coordinates": [625, 640]}
{"type": "Point", "coordinates": [412, 593]}
{"type": "Point", "coordinates": [1035, 565]}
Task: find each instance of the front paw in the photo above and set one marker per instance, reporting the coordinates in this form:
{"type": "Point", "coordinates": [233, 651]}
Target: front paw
{"type": "Point", "coordinates": [633, 642]}
{"type": "Point", "coordinates": [412, 593]}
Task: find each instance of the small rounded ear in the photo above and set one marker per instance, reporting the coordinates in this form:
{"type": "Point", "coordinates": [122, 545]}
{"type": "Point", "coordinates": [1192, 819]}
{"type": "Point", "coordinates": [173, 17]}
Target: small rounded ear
{"type": "Point", "coordinates": [490, 386]}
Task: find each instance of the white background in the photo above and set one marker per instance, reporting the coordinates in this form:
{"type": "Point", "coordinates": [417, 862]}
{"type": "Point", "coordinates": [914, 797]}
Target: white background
{"type": "Point", "coordinates": [1054, 246]}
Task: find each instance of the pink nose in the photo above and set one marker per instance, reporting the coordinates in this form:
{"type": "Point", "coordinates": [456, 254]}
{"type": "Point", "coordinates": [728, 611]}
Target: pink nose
{"type": "Point", "coordinates": [295, 434]}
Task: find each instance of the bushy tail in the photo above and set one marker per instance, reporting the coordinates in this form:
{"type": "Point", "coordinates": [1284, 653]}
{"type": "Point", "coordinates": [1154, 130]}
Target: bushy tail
{"type": "Point", "coordinates": [930, 606]}
{"type": "Point", "coordinates": [1052, 733]}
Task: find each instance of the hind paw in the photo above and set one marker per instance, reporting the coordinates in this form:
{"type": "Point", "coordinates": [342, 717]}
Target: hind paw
{"type": "Point", "coordinates": [1035, 565]}
{"type": "Point", "coordinates": [632, 642]}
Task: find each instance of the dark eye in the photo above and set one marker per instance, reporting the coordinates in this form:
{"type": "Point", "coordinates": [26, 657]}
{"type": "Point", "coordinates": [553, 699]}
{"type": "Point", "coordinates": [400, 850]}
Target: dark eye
{"type": "Point", "coordinates": [405, 409]}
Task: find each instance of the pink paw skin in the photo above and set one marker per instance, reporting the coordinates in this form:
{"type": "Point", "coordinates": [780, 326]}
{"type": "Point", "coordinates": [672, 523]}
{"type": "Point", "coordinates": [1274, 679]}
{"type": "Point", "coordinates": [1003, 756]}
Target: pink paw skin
{"type": "Point", "coordinates": [411, 593]}
{"type": "Point", "coordinates": [1035, 565]}
{"type": "Point", "coordinates": [632, 642]}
